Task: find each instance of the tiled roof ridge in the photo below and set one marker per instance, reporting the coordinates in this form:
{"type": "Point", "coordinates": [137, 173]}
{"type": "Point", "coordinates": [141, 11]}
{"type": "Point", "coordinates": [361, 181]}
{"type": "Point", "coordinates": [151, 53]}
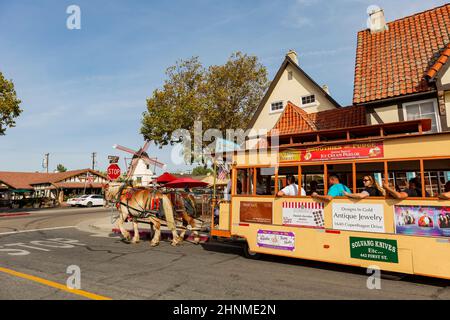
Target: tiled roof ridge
{"type": "Point", "coordinates": [411, 16]}
{"type": "Point", "coordinates": [304, 115]}
{"type": "Point", "coordinates": [294, 119]}
{"type": "Point", "coordinates": [441, 61]}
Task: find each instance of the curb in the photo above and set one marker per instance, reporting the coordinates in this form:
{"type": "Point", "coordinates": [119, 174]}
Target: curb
{"type": "Point", "coordinates": [14, 214]}
{"type": "Point", "coordinates": [165, 235]}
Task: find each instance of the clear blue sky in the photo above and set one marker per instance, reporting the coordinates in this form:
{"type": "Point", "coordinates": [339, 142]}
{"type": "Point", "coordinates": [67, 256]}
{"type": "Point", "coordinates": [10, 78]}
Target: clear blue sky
{"type": "Point", "coordinates": [85, 90]}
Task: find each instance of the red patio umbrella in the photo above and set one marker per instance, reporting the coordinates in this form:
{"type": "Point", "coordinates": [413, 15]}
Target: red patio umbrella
{"type": "Point", "coordinates": [165, 178]}
{"type": "Point", "coordinates": [186, 182]}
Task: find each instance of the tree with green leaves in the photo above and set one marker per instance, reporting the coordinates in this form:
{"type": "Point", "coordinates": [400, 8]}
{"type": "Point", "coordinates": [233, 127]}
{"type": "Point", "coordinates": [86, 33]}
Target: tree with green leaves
{"type": "Point", "coordinates": [201, 171]}
{"type": "Point", "coordinates": [221, 97]}
{"type": "Point", "coordinates": [9, 105]}
{"type": "Point", "coordinates": [61, 168]}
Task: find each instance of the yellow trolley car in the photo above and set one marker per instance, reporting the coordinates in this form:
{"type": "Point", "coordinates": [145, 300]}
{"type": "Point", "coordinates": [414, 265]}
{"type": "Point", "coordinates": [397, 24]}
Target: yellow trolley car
{"type": "Point", "coordinates": [410, 236]}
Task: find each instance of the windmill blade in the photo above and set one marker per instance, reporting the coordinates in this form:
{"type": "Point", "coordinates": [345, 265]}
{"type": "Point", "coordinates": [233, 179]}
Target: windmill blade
{"type": "Point", "coordinates": [149, 161]}
{"type": "Point", "coordinates": [122, 148]}
{"type": "Point", "coordinates": [132, 168]}
{"type": "Point", "coordinates": [145, 147]}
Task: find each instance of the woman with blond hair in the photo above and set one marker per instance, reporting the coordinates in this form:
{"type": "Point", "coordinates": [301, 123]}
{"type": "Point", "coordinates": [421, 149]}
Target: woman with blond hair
{"type": "Point", "coordinates": [371, 189]}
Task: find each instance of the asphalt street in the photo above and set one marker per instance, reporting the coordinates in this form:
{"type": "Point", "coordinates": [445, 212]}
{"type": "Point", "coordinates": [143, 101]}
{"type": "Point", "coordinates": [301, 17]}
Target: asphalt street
{"type": "Point", "coordinates": [36, 251]}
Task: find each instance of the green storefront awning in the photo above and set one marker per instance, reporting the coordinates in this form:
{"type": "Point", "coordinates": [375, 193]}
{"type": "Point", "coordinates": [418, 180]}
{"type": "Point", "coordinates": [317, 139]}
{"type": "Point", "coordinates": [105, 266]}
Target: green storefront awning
{"type": "Point", "coordinates": [21, 190]}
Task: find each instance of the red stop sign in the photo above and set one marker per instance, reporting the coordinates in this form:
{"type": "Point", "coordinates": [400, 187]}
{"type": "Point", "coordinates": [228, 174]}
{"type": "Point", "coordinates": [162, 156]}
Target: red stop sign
{"type": "Point", "coordinates": [113, 171]}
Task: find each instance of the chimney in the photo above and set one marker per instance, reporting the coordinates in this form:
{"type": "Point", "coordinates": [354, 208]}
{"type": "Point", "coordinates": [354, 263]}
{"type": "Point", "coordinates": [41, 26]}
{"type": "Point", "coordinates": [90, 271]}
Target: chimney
{"type": "Point", "coordinates": [326, 89]}
{"type": "Point", "coordinates": [293, 55]}
{"type": "Point", "coordinates": [376, 21]}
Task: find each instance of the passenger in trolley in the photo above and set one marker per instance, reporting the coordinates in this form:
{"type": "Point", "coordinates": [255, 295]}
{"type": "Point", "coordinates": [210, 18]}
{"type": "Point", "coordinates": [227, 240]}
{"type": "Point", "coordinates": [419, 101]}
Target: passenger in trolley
{"type": "Point", "coordinates": [414, 190]}
{"type": "Point", "coordinates": [371, 189]}
{"type": "Point", "coordinates": [291, 189]}
{"type": "Point", "coordinates": [337, 189]}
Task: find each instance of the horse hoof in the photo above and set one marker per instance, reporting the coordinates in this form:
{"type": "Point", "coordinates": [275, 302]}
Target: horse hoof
{"type": "Point", "coordinates": [174, 243]}
{"type": "Point", "coordinates": [197, 241]}
{"type": "Point", "coordinates": [154, 244]}
{"type": "Point", "coordinates": [135, 241]}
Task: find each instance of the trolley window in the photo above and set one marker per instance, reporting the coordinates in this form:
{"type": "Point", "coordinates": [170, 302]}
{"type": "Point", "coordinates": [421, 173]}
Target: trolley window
{"type": "Point", "coordinates": [265, 181]}
{"type": "Point", "coordinates": [373, 169]}
{"type": "Point", "coordinates": [436, 176]}
{"type": "Point", "coordinates": [405, 176]}
{"type": "Point", "coordinates": [313, 179]}
{"type": "Point", "coordinates": [284, 173]}
{"type": "Point", "coordinates": [244, 181]}
{"type": "Point", "coordinates": [343, 171]}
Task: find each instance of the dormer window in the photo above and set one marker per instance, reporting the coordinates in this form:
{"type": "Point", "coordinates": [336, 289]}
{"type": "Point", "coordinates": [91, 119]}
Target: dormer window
{"type": "Point", "coordinates": [308, 100]}
{"type": "Point", "coordinates": [277, 106]}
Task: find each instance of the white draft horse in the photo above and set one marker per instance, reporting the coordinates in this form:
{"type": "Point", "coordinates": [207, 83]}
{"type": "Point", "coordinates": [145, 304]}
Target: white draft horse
{"type": "Point", "coordinates": [135, 203]}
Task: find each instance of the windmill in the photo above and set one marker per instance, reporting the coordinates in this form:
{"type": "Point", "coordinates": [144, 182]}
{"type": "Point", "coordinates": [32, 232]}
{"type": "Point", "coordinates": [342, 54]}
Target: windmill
{"type": "Point", "coordinates": [140, 155]}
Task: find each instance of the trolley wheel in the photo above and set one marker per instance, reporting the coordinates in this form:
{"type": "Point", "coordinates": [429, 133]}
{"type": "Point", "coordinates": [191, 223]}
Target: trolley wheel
{"type": "Point", "coordinates": [250, 254]}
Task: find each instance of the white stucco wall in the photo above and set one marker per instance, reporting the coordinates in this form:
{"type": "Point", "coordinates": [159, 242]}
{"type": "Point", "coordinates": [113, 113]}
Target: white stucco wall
{"type": "Point", "coordinates": [291, 90]}
{"type": "Point", "coordinates": [142, 171]}
{"type": "Point", "coordinates": [387, 114]}
{"type": "Point", "coordinates": [445, 79]}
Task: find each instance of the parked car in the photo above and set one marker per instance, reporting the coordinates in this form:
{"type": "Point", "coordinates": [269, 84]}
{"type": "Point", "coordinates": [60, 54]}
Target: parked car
{"type": "Point", "coordinates": [87, 200]}
{"type": "Point", "coordinates": [74, 201]}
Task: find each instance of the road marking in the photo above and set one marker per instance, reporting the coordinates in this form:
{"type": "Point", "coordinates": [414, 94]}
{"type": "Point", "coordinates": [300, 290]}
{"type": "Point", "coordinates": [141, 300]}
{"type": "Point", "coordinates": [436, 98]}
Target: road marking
{"type": "Point", "coordinates": [35, 230]}
{"type": "Point", "coordinates": [52, 284]}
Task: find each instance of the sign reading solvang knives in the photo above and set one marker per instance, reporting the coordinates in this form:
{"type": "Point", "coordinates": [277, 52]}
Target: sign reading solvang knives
{"type": "Point", "coordinates": [383, 250]}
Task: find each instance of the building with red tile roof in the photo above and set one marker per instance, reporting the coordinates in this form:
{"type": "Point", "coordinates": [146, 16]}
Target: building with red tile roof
{"type": "Point", "coordinates": [401, 68]}
{"type": "Point", "coordinates": [294, 120]}
{"type": "Point", "coordinates": [291, 83]}
{"type": "Point", "coordinates": [51, 185]}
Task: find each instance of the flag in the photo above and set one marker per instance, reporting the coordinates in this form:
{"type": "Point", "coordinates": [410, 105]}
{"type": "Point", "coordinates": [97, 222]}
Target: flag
{"type": "Point", "coordinates": [223, 172]}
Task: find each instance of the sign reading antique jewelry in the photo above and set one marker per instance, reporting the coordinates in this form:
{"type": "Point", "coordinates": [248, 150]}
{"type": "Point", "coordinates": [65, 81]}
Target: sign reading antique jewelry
{"type": "Point", "coordinates": [422, 220]}
{"type": "Point", "coordinates": [303, 214]}
{"type": "Point", "coordinates": [337, 152]}
{"type": "Point", "coordinates": [276, 240]}
{"type": "Point", "coordinates": [358, 217]}
{"type": "Point", "coordinates": [374, 249]}
{"type": "Point", "coordinates": [256, 212]}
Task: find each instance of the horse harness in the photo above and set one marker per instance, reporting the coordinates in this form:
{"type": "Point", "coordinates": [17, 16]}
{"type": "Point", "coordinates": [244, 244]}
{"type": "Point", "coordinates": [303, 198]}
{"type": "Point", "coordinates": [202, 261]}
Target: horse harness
{"type": "Point", "coordinates": [156, 209]}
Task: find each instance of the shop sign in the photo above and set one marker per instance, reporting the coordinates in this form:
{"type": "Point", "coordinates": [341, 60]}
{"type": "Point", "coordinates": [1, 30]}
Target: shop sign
{"type": "Point", "coordinates": [303, 214]}
{"type": "Point", "coordinates": [256, 212]}
{"type": "Point", "coordinates": [336, 152]}
{"type": "Point", "coordinates": [433, 221]}
{"type": "Point", "coordinates": [358, 217]}
{"type": "Point", "coordinates": [383, 250]}
{"type": "Point", "coordinates": [276, 240]}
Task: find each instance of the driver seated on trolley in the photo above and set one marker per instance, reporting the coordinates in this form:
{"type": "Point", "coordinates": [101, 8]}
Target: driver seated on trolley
{"type": "Point", "coordinates": [291, 189]}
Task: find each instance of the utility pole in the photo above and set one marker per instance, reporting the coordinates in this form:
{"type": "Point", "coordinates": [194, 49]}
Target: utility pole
{"type": "Point", "coordinates": [94, 154]}
{"type": "Point", "coordinates": [45, 164]}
